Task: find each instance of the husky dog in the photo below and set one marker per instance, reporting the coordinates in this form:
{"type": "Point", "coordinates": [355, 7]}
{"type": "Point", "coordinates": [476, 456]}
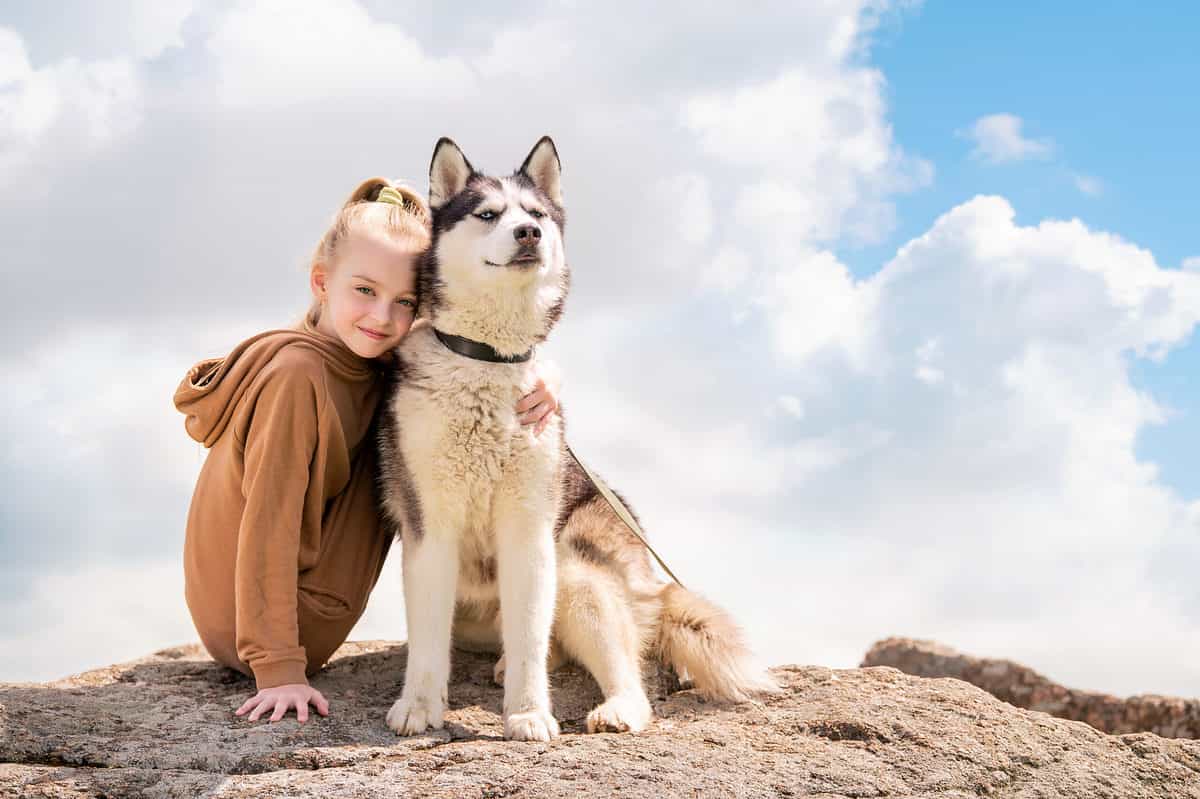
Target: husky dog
{"type": "Point", "coordinates": [507, 545]}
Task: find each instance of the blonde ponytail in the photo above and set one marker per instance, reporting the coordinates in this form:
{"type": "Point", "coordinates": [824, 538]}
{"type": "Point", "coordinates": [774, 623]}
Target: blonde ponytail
{"type": "Point", "coordinates": [408, 220]}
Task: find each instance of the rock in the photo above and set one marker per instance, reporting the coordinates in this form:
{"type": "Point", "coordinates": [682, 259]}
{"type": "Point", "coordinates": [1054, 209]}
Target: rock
{"type": "Point", "coordinates": [163, 726]}
{"type": "Point", "coordinates": [1166, 716]}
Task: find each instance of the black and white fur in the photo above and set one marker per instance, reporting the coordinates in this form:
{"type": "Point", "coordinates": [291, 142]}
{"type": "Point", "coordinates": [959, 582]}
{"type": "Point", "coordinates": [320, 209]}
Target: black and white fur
{"type": "Point", "coordinates": [507, 546]}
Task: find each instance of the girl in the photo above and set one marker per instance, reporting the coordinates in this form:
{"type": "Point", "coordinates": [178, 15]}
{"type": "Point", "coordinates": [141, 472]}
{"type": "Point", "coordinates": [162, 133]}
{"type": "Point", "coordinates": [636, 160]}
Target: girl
{"type": "Point", "coordinates": [284, 539]}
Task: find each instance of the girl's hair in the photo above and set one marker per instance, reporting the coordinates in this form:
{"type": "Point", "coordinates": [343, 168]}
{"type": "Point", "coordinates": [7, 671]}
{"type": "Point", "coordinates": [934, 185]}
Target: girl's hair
{"type": "Point", "coordinates": [409, 221]}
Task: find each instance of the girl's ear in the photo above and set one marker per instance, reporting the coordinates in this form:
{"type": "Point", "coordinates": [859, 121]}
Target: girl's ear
{"type": "Point", "coordinates": [544, 169]}
{"type": "Point", "coordinates": [316, 280]}
{"type": "Point", "coordinates": [449, 172]}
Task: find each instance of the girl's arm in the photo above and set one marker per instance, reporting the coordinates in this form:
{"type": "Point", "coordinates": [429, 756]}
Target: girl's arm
{"type": "Point", "coordinates": [280, 442]}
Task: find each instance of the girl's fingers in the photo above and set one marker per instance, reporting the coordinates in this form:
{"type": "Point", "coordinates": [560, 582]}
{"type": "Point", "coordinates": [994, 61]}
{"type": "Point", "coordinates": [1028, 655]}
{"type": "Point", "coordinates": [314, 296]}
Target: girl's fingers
{"type": "Point", "coordinates": [536, 413]}
{"type": "Point", "coordinates": [246, 706]}
{"type": "Point", "coordinates": [320, 702]}
{"type": "Point", "coordinates": [302, 712]}
{"type": "Point", "coordinates": [539, 394]}
{"type": "Point", "coordinates": [281, 708]}
{"type": "Point", "coordinates": [258, 711]}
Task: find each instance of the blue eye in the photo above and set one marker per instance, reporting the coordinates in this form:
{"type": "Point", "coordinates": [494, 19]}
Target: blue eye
{"type": "Point", "coordinates": [411, 304]}
{"type": "Point", "coordinates": [536, 214]}
{"type": "Point", "coordinates": [364, 290]}
{"type": "Point", "coordinates": [486, 216]}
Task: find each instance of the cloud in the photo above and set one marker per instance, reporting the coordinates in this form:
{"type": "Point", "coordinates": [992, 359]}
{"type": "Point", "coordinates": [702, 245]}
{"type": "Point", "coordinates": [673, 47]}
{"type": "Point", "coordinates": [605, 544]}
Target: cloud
{"type": "Point", "coordinates": [998, 140]}
{"type": "Point", "coordinates": [1191, 264]}
{"type": "Point", "coordinates": [813, 148]}
{"type": "Point", "coordinates": [139, 30]}
{"type": "Point", "coordinates": [73, 105]}
{"type": "Point", "coordinates": [94, 455]}
{"type": "Point", "coordinates": [82, 617]}
{"type": "Point", "coordinates": [279, 53]}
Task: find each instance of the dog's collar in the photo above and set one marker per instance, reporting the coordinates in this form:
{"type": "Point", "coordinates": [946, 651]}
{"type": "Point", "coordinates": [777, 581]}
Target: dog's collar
{"type": "Point", "coordinates": [478, 350]}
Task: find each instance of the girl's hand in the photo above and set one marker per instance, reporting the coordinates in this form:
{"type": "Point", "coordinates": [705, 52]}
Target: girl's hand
{"type": "Point", "coordinates": [281, 698]}
{"type": "Point", "coordinates": [537, 405]}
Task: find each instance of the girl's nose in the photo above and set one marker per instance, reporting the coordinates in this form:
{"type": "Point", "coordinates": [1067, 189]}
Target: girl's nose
{"type": "Point", "coordinates": [381, 310]}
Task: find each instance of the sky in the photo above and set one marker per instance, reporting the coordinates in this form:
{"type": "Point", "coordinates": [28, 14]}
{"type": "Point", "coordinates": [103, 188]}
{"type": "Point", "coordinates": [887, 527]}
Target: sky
{"type": "Point", "coordinates": [882, 314]}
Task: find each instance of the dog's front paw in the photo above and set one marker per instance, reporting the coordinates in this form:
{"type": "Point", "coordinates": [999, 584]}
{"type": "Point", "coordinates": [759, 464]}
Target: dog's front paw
{"type": "Point", "coordinates": [534, 725]}
{"type": "Point", "coordinates": [628, 713]}
{"type": "Point", "coordinates": [498, 671]}
{"type": "Point", "coordinates": [411, 715]}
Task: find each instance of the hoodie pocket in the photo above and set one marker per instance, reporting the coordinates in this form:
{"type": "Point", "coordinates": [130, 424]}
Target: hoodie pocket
{"type": "Point", "coordinates": [323, 603]}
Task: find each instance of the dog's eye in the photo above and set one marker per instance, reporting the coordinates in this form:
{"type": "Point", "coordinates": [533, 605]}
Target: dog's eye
{"type": "Point", "coordinates": [536, 214]}
{"type": "Point", "coordinates": [486, 216]}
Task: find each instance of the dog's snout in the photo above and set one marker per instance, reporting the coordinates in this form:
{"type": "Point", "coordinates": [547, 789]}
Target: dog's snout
{"type": "Point", "coordinates": [527, 234]}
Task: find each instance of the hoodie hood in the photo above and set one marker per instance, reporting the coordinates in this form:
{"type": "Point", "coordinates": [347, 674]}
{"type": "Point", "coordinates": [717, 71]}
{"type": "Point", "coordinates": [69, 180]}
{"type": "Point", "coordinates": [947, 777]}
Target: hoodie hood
{"type": "Point", "coordinates": [210, 392]}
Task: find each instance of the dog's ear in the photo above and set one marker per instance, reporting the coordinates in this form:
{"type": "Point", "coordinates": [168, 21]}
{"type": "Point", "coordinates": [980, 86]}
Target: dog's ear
{"type": "Point", "coordinates": [448, 172]}
{"type": "Point", "coordinates": [544, 169]}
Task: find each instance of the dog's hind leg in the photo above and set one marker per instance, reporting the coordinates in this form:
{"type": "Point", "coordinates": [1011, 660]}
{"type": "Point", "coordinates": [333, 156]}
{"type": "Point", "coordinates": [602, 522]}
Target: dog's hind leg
{"type": "Point", "coordinates": [430, 578]}
{"type": "Point", "coordinates": [594, 620]}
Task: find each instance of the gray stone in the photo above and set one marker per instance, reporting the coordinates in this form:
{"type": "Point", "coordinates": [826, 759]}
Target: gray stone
{"type": "Point", "coordinates": [163, 726]}
{"type": "Point", "coordinates": [1168, 716]}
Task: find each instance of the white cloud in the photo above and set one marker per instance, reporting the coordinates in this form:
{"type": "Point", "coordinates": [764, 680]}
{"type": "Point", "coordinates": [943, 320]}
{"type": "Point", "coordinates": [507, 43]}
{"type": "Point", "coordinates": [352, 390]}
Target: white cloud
{"type": "Point", "coordinates": [79, 105]}
{"type": "Point", "coordinates": [152, 26]}
{"type": "Point", "coordinates": [88, 616]}
{"type": "Point", "coordinates": [1191, 264]}
{"type": "Point", "coordinates": [791, 405]}
{"type": "Point", "coordinates": [280, 53]}
{"type": "Point", "coordinates": [814, 148]}
{"type": "Point", "coordinates": [728, 270]}
{"type": "Point", "coordinates": [534, 50]}
{"type": "Point", "coordinates": [998, 139]}
{"type": "Point", "coordinates": [813, 303]}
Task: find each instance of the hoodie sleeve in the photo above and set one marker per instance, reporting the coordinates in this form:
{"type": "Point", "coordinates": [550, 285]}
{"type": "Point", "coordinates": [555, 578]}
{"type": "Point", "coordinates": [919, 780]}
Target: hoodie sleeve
{"type": "Point", "coordinates": [281, 441]}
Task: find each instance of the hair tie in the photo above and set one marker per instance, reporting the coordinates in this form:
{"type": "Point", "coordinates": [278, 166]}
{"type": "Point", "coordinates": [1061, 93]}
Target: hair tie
{"type": "Point", "coordinates": [389, 195]}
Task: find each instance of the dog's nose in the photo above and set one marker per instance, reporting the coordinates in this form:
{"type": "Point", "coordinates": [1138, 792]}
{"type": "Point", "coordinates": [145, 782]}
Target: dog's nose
{"type": "Point", "coordinates": [527, 235]}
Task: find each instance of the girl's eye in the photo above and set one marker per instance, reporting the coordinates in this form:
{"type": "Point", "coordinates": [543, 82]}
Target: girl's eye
{"type": "Point", "coordinates": [411, 304]}
{"type": "Point", "coordinates": [364, 290]}
{"type": "Point", "coordinates": [536, 214]}
{"type": "Point", "coordinates": [486, 216]}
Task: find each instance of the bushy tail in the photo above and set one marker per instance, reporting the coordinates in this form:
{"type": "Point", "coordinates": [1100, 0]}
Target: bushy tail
{"type": "Point", "coordinates": [702, 643]}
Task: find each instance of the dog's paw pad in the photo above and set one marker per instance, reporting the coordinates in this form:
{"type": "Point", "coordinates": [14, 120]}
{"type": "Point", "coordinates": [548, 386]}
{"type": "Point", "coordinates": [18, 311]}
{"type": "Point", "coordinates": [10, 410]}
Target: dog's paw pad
{"type": "Point", "coordinates": [413, 716]}
{"type": "Point", "coordinates": [620, 714]}
{"type": "Point", "coordinates": [536, 725]}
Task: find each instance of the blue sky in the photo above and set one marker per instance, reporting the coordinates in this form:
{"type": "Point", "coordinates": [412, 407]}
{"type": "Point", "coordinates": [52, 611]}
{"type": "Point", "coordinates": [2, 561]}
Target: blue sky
{"type": "Point", "coordinates": [1114, 86]}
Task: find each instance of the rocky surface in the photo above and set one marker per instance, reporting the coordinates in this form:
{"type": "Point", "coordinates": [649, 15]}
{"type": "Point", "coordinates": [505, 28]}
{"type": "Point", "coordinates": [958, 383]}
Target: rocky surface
{"type": "Point", "coordinates": [163, 726]}
{"type": "Point", "coordinates": [1018, 685]}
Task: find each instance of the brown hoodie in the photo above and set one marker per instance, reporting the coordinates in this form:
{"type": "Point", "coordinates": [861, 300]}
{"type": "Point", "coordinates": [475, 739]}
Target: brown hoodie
{"type": "Point", "coordinates": [284, 540]}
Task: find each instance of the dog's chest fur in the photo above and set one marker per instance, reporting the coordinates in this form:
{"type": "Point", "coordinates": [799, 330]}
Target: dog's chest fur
{"type": "Point", "coordinates": [455, 431]}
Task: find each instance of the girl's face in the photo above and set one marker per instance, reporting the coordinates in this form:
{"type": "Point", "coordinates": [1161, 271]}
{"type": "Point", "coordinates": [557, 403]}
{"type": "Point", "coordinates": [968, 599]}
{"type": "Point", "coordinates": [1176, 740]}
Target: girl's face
{"type": "Point", "coordinates": [369, 292]}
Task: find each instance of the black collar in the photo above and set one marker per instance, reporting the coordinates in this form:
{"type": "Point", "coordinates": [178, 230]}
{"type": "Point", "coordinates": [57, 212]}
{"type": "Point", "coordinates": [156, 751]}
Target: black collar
{"type": "Point", "coordinates": [478, 350]}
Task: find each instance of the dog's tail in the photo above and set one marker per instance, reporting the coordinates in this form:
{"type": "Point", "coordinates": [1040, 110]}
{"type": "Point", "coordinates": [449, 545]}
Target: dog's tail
{"type": "Point", "coordinates": [703, 644]}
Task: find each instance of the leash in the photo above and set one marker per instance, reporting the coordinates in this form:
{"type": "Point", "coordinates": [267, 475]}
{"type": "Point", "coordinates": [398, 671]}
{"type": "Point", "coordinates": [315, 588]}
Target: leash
{"type": "Point", "coordinates": [480, 351]}
{"type": "Point", "coordinates": [623, 512]}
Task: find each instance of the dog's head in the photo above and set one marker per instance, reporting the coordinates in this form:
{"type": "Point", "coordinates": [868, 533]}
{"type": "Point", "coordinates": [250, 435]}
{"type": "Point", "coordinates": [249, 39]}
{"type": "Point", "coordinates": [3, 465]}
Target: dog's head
{"type": "Point", "coordinates": [496, 271]}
